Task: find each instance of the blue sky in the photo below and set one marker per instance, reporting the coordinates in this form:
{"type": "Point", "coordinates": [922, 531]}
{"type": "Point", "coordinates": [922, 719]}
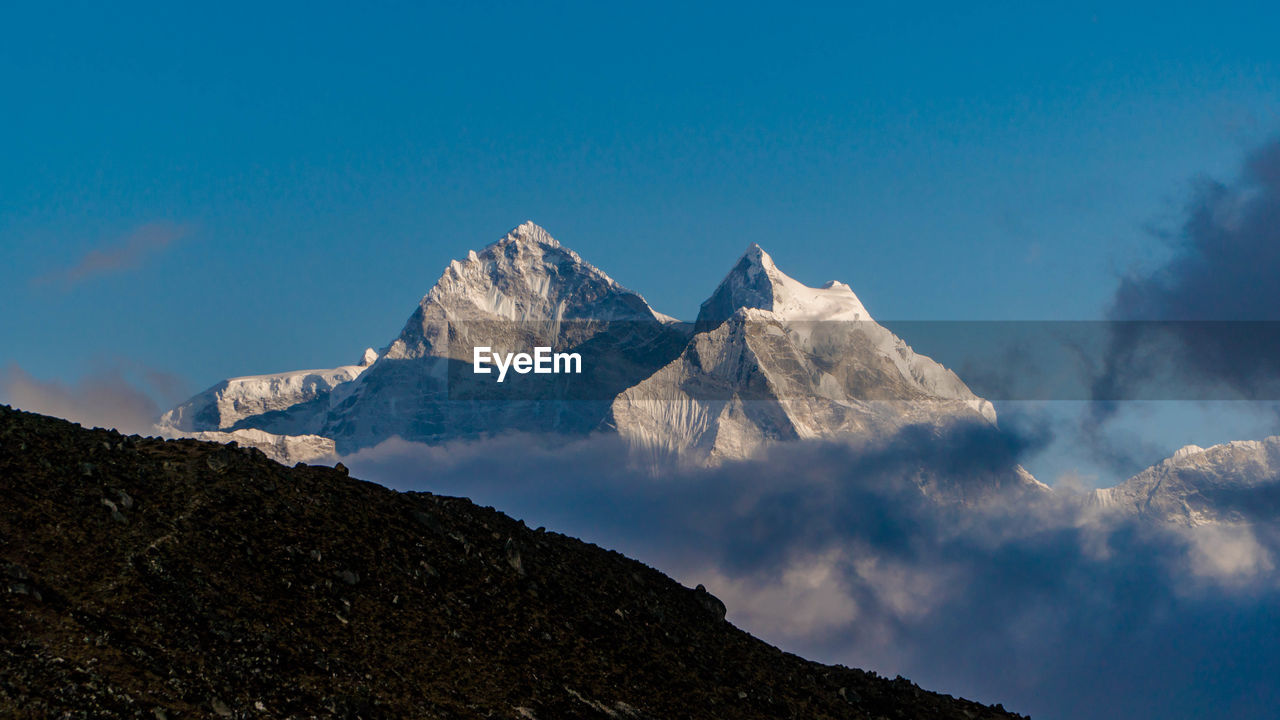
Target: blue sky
{"type": "Point", "coordinates": [252, 188]}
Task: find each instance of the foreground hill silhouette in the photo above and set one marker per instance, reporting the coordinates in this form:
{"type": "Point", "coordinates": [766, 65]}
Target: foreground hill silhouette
{"type": "Point", "coordinates": [173, 579]}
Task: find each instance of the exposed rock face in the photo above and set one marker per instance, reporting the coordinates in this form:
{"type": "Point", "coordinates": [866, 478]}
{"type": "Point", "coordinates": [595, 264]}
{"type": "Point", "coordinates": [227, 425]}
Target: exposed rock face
{"type": "Point", "coordinates": [149, 578]}
{"type": "Point", "coordinates": [1229, 483]}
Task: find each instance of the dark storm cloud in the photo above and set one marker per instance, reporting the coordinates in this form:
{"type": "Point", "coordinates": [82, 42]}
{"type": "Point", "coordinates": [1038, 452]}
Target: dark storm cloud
{"type": "Point", "coordinates": [123, 254]}
{"type": "Point", "coordinates": [1227, 253]}
{"type": "Point", "coordinates": [1209, 317]}
{"type": "Point", "coordinates": [1034, 599]}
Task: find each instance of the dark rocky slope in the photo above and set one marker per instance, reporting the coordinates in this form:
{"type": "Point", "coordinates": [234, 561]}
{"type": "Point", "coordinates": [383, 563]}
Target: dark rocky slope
{"type": "Point", "coordinates": [154, 579]}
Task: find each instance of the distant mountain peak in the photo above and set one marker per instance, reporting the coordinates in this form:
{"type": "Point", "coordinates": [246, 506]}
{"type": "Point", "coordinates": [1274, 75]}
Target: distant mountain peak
{"type": "Point", "coordinates": [524, 290]}
{"type": "Point", "coordinates": [757, 256]}
{"type": "Point", "coordinates": [527, 250]}
{"type": "Point", "coordinates": [756, 282]}
{"type": "Point", "coordinates": [528, 275]}
{"type": "Point", "coordinates": [529, 232]}
{"type": "Point", "coordinates": [1187, 451]}
{"type": "Point", "coordinates": [1222, 484]}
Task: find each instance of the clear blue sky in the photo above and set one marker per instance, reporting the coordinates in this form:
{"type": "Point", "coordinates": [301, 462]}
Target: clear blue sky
{"type": "Point", "coordinates": [291, 179]}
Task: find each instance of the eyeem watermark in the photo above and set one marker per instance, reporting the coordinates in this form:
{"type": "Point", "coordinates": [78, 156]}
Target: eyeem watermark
{"type": "Point", "coordinates": [541, 362]}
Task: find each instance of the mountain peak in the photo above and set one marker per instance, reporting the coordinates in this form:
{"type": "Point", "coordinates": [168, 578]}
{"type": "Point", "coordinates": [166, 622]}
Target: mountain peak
{"type": "Point", "coordinates": [529, 232]}
{"type": "Point", "coordinates": [754, 260]}
{"type": "Point", "coordinates": [750, 284]}
{"type": "Point", "coordinates": [528, 254]}
{"type": "Point", "coordinates": [756, 255]}
{"type": "Point", "coordinates": [526, 276]}
{"type": "Point", "coordinates": [1187, 451]}
{"type": "Point", "coordinates": [756, 282]}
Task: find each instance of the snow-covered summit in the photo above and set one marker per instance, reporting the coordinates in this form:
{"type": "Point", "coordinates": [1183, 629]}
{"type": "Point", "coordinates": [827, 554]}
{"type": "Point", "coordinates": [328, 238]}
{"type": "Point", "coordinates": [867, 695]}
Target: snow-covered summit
{"type": "Point", "coordinates": [523, 291]}
{"type": "Point", "coordinates": [530, 232]}
{"type": "Point", "coordinates": [1186, 451]}
{"type": "Point", "coordinates": [1222, 484]}
{"type": "Point", "coordinates": [756, 282]}
{"type": "Point", "coordinates": [773, 360]}
{"type": "Point", "coordinates": [526, 277]}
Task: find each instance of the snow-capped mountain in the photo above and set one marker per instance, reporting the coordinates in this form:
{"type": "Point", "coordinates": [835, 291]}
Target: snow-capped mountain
{"type": "Point", "coordinates": [521, 292]}
{"type": "Point", "coordinates": [777, 360]}
{"type": "Point", "coordinates": [1229, 483]}
{"type": "Point", "coordinates": [768, 360]}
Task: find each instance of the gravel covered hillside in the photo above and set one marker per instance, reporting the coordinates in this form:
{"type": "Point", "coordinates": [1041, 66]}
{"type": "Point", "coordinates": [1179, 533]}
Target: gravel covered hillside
{"type": "Point", "coordinates": [173, 579]}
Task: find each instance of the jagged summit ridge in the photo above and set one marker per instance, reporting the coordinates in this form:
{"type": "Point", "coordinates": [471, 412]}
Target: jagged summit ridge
{"type": "Point", "coordinates": [233, 400]}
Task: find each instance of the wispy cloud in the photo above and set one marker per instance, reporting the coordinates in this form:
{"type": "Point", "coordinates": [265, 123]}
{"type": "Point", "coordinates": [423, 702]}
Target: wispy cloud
{"type": "Point", "coordinates": [117, 395]}
{"type": "Point", "coordinates": [125, 253]}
